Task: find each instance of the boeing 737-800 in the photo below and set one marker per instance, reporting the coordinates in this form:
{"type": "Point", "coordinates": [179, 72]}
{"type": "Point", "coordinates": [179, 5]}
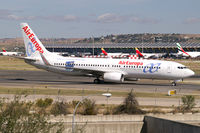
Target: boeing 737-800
{"type": "Point", "coordinates": [110, 70]}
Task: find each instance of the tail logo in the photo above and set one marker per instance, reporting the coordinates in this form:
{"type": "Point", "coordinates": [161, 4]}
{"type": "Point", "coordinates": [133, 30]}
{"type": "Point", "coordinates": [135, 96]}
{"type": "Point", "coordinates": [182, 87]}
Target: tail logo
{"type": "Point", "coordinates": [30, 49]}
{"type": "Point", "coordinates": [32, 38]}
{"type": "Point", "coordinates": [151, 68]}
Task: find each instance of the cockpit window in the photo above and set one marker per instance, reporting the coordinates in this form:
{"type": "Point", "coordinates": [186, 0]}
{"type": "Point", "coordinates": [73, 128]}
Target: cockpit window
{"type": "Point", "coordinates": [181, 67]}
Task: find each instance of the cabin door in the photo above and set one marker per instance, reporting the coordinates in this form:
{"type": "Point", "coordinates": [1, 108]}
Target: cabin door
{"type": "Point", "coordinates": [169, 69]}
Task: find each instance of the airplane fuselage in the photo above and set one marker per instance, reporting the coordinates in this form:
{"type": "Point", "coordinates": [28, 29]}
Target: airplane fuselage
{"type": "Point", "coordinates": [147, 69]}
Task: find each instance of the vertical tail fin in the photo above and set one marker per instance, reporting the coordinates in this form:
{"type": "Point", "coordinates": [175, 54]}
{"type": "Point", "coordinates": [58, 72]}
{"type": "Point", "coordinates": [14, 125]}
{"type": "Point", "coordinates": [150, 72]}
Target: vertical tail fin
{"type": "Point", "coordinates": [4, 50]}
{"type": "Point", "coordinates": [33, 46]}
{"type": "Point", "coordinates": [180, 49]}
{"type": "Point", "coordinates": [104, 52]}
{"type": "Point", "coordinates": [138, 52]}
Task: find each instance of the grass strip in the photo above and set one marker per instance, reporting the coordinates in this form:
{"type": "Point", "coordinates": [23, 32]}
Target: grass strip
{"type": "Point", "coordinates": [76, 92]}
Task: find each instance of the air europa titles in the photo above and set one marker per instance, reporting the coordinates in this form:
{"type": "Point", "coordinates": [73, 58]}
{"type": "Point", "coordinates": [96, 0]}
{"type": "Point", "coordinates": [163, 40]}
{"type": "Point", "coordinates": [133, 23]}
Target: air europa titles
{"type": "Point", "coordinates": [130, 63]}
{"type": "Point", "coordinates": [31, 36]}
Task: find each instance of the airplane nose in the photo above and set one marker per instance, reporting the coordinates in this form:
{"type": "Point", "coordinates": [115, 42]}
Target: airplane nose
{"type": "Point", "coordinates": [190, 73]}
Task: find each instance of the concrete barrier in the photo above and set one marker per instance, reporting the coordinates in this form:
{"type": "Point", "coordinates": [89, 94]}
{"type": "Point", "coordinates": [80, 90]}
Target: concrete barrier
{"type": "Point", "coordinates": [163, 123]}
{"type": "Point", "coordinates": [103, 123]}
{"type": "Point", "coordinates": [108, 127]}
{"type": "Point", "coordinates": [160, 125]}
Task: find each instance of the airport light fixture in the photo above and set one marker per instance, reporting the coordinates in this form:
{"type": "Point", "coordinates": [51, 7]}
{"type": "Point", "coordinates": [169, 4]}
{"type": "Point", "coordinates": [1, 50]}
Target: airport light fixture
{"type": "Point", "coordinates": [93, 46]}
{"type": "Point", "coordinates": [107, 95]}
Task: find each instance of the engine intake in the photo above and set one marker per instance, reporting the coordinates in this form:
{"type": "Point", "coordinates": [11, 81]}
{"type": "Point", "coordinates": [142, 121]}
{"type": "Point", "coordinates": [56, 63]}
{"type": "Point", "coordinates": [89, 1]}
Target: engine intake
{"type": "Point", "coordinates": [113, 77]}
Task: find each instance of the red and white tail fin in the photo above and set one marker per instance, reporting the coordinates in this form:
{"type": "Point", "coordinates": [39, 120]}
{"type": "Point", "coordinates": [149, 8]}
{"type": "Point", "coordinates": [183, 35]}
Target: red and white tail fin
{"type": "Point", "coordinates": [33, 46]}
{"type": "Point", "coordinates": [138, 52]}
{"type": "Point", "coordinates": [104, 52]}
{"type": "Point", "coordinates": [4, 50]}
{"type": "Point", "coordinates": [180, 49]}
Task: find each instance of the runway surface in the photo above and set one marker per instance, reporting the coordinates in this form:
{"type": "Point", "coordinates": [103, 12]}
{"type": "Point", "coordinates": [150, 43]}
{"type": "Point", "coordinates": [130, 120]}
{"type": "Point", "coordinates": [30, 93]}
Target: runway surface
{"type": "Point", "coordinates": [33, 78]}
{"type": "Point", "coordinates": [28, 79]}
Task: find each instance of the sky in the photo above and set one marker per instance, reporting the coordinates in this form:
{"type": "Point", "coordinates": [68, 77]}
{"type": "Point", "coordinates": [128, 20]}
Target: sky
{"type": "Point", "coordinates": [88, 18]}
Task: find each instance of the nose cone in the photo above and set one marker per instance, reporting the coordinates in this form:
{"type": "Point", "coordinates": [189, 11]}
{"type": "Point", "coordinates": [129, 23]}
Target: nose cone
{"type": "Point", "coordinates": [189, 73]}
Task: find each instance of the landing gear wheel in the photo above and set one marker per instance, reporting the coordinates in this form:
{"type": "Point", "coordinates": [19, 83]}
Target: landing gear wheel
{"type": "Point", "coordinates": [173, 83]}
{"type": "Point", "coordinates": [96, 81]}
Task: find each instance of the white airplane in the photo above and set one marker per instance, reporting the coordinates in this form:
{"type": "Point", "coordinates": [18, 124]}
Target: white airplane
{"type": "Point", "coordinates": [148, 55]}
{"type": "Point", "coordinates": [110, 70]}
{"type": "Point", "coordinates": [187, 54]}
{"type": "Point", "coordinates": [5, 53]}
{"type": "Point", "coordinates": [113, 54]}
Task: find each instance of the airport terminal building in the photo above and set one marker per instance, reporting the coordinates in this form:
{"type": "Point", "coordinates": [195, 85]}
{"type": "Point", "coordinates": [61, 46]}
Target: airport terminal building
{"type": "Point", "coordinates": [122, 47]}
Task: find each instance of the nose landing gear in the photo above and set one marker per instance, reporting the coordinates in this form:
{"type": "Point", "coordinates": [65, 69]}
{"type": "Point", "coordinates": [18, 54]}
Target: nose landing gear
{"type": "Point", "coordinates": [97, 81]}
{"type": "Point", "coordinates": [173, 83]}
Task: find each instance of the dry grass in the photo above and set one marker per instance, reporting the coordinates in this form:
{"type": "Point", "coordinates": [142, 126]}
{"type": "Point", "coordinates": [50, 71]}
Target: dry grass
{"type": "Point", "coordinates": [79, 92]}
{"type": "Point", "coordinates": [11, 63]}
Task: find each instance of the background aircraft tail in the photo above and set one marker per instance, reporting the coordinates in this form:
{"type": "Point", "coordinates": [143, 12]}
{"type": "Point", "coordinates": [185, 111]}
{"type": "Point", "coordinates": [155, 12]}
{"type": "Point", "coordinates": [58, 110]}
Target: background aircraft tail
{"type": "Point", "coordinates": [180, 49]}
{"type": "Point", "coordinates": [103, 51]}
{"type": "Point", "coordinates": [4, 50]}
{"type": "Point", "coordinates": [33, 46]}
{"type": "Point", "coordinates": [138, 52]}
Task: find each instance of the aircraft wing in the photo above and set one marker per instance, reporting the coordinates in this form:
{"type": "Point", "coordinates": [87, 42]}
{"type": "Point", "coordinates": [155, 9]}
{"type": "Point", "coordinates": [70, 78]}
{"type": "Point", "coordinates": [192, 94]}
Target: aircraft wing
{"type": "Point", "coordinates": [24, 58]}
{"type": "Point", "coordinates": [88, 72]}
{"type": "Point", "coordinates": [92, 72]}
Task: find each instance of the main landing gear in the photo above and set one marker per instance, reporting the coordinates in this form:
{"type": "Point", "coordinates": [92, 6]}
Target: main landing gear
{"type": "Point", "coordinates": [173, 83]}
{"type": "Point", "coordinates": [97, 81]}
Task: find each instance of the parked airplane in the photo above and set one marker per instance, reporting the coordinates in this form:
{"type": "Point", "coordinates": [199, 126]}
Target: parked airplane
{"type": "Point", "coordinates": [5, 53]}
{"type": "Point", "coordinates": [187, 54]}
{"type": "Point", "coordinates": [114, 54]}
{"type": "Point", "coordinates": [110, 70]}
{"type": "Point", "coordinates": [148, 55]}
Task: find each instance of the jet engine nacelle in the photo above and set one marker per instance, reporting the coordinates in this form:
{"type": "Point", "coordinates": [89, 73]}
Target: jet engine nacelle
{"type": "Point", "coordinates": [113, 77]}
